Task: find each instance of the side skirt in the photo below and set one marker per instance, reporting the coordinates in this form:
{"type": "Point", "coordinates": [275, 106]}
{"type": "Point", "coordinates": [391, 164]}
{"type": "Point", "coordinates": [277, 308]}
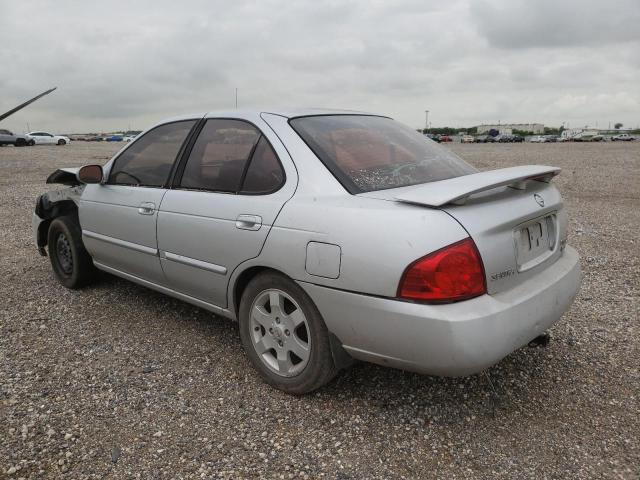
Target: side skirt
{"type": "Point", "coordinates": [223, 312]}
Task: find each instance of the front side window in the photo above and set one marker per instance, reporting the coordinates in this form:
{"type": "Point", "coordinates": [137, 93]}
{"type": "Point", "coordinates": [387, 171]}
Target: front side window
{"type": "Point", "coordinates": [232, 156]}
{"type": "Point", "coordinates": [367, 153]}
{"type": "Point", "coordinates": [148, 161]}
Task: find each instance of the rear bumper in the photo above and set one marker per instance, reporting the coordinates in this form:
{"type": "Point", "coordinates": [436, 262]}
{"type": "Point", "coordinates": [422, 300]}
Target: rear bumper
{"type": "Point", "coordinates": [449, 340]}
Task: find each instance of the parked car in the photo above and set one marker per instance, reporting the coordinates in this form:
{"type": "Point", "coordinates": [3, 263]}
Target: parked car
{"type": "Point", "coordinates": [588, 136]}
{"type": "Point", "coordinates": [328, 235]}
{"type": "Point", "coordinates": [466, 139]}
{"type": "Point", "coordinates": [7, 137]}
{"type": "Point", "coordinates": [505, 138]}
{"type": "Point", "coordinates": [445, 138]}
{"type": "Point", "coordinates": [433, 136]}
{"type": "Point", "coordinates": [484, 139]}
{"type": "Point", "coordinates": [538, 139]}
{"type": "Point", "coordinates": [622, 137]}
{"type": "Point", "coordinates": [42, 138]}
{"type": "Point", "coordinates": [130, 135]}
{"type": "Point", "coordinates": [551, 138]}
{"type": "Point", "coordinates": [114, 138]}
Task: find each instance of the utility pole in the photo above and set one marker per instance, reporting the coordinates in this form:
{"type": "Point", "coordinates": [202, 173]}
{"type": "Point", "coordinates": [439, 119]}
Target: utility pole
{"type": "Point", "coordinates": [426, 120]}
{"type": "Point", "coordinates": [236, 98]}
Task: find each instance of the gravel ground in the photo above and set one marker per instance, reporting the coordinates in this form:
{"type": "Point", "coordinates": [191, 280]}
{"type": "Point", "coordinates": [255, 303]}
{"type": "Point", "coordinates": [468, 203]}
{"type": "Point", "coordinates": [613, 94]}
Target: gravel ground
{"type": "Point", "coordinates": [117, 381]}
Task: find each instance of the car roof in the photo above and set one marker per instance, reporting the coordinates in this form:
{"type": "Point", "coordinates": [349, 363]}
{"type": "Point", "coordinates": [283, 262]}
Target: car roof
{"type": "Point", "coordinates": [283, 112]}
{"type": "Point", "coordinates": [306, 112]}
{"type": "Point", "coordinates": [248, 114]}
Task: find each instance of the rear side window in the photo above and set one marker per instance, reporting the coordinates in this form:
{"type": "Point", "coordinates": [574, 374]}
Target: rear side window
{"type": "Point", "coordinates": [265, 174]}
{"type": "Point", "coordinates": [367, 153]}
{"type": "Point", "coordinates": [219, 156]}
{"type": "Point", "coordinates": [148, 161]}
{"type": "Point", "coordinates": [232, 156]}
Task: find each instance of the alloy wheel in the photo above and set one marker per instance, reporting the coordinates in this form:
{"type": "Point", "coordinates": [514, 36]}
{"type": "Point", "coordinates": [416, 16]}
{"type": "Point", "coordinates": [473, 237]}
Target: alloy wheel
{"type": "Point", "coordinates": [280, 332]}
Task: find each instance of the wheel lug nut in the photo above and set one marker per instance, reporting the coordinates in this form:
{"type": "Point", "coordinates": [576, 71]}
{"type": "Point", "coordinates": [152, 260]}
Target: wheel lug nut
{"type": "Point", "coordinates": [256, 328]}
{"type": "Point", "coordinates": [271, 331]}
{"type": "Point", "coordinates": [287, 333]}
{"type": "Point", "coordinates": [280, 343]}
{"type": "Point", "coordinates": [277, 320]}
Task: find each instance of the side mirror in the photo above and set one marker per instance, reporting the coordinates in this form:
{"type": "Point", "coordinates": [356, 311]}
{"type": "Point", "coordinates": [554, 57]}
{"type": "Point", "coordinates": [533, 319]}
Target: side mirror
{"type": "Point", "coordinates": [90, 174]}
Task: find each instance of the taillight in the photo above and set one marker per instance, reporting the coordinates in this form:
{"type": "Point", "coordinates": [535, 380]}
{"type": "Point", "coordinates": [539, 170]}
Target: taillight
{"type": "Point", "coordinates": [450, 274]}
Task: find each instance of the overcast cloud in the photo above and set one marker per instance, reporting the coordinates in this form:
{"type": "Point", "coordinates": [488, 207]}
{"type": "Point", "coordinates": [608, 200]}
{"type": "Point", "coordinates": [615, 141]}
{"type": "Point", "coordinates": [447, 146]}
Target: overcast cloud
{"type": "Point", "coordinates": [130, 64]}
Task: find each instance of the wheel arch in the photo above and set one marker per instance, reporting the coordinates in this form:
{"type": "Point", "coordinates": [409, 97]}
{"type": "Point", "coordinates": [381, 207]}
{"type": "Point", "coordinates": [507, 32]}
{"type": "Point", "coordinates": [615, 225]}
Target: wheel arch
{"type": "Point", "coordinates": [241, 282]}
{"type": "Point", "coordinates": [48, 211]}
{"type": "Point", "coordinates": [340, 356]}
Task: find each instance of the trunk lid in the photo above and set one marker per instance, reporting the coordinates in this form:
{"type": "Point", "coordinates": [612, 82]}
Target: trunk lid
{"type": "Point", "coordinates": [515, 217]}
{"type": "Point", "coordinates": [518, 232]}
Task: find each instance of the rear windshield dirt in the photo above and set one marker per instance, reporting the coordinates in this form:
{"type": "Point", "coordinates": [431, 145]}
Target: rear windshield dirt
{"type": "Point", "coordinates": [367, 153]}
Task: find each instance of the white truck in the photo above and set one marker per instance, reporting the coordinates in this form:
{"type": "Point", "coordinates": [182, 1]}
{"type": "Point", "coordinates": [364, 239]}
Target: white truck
{"type": "Point", "coordinates": [622, 137]}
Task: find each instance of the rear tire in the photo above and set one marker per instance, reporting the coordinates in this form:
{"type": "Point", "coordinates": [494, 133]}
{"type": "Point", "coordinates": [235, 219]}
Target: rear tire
{"type": "Point", "coordinates": [61, 142]}
{"type": "Point", "coordinates": [71, 263]}
{"type": "Point", "coordinates": [292, 337]}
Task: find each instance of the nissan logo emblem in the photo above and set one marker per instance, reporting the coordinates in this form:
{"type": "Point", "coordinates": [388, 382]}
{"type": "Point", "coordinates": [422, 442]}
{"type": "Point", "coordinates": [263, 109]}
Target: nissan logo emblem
{"type": "Point", "coordinates": [539, 200]}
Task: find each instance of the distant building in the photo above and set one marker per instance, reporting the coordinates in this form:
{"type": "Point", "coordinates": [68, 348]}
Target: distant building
{"type": "Point", "coordinates": [508, 128]}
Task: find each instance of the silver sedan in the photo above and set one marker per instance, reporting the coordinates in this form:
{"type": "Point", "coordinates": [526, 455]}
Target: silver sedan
{"type": "Point", "coordinates": [328, 235]}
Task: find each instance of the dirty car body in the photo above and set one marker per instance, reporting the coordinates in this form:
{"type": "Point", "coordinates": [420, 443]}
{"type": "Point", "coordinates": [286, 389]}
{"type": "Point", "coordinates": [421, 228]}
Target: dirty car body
{"type": "Point", "coordinates": [412, 258]}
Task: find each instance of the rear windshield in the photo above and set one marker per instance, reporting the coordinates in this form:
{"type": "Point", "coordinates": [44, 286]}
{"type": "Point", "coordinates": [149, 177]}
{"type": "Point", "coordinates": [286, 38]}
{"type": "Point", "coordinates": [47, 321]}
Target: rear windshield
{"type": "Point", "coordinates": [367, 153]}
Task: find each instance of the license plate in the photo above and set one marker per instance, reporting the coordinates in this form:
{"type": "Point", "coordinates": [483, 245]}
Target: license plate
{"type": "Point", "coordinates": [534, 241]}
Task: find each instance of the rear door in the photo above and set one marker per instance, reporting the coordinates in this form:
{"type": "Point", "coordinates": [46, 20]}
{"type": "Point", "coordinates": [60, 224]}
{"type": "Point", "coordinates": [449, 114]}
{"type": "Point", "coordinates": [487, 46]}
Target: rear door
{"type": "Point", "coordinates": [118, 218]}
{"type": "Point", "coordinates": [224, 201]}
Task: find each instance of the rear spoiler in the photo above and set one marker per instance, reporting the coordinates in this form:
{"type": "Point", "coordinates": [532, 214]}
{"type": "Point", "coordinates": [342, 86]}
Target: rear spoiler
{"type": "Point", "coordinates": [457, 190]}
{"type": "Point", "coordinates": [65, 176]}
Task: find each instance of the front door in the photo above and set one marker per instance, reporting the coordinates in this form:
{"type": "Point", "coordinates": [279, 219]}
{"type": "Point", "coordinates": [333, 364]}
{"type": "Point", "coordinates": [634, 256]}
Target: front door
{"type": "Point", "coordinates": [220, 209]}
{"type": "Point", "coordinates": [118, 218]}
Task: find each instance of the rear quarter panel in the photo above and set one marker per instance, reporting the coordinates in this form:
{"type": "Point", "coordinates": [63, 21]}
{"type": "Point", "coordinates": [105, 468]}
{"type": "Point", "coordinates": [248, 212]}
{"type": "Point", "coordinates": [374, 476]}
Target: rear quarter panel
{"type": "Point", "coordinates": [378, 239]}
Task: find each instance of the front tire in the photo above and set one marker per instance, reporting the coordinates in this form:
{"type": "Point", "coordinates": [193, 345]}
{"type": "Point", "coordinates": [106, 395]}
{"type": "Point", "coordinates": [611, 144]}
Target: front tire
{"type": "Point", "coordinates": [284, 336]}
{"type": "Point", "coordinates": [71, 263]}
{"type": "Point", "coordinates": [61, 142]}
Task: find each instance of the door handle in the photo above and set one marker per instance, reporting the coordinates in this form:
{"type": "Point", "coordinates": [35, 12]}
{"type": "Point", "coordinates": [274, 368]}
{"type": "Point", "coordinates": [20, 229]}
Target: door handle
{"type": "Point", "coordinates": [147, 208]}
{"type": "Point", "coordinates": [249, 222]}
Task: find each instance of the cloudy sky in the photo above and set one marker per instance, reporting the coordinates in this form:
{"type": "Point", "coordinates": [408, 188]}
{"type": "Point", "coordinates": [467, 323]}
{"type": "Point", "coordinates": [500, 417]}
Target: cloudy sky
{"type": "Point", "coordinates": [129, 64]}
